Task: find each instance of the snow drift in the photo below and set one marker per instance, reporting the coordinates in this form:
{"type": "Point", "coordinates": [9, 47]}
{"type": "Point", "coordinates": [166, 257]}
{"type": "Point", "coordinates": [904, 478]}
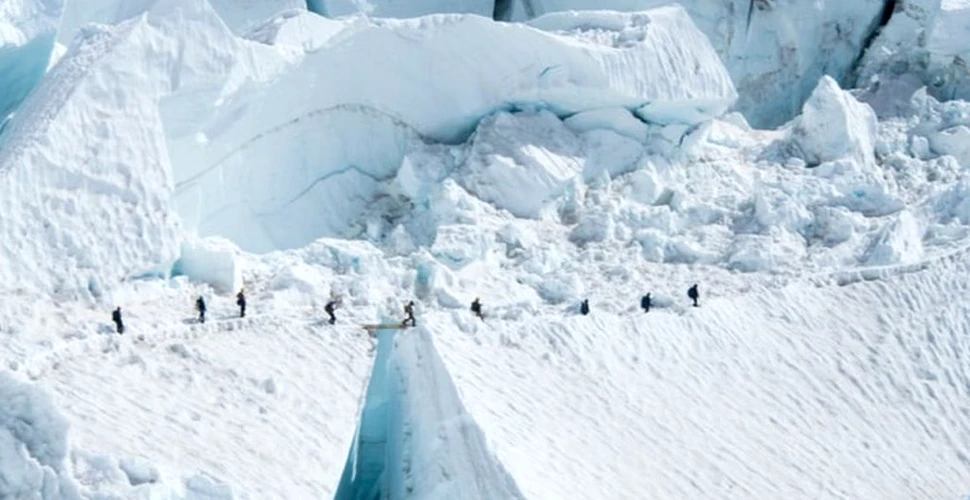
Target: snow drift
{"type": "Point", "coordinates": [415, 439]}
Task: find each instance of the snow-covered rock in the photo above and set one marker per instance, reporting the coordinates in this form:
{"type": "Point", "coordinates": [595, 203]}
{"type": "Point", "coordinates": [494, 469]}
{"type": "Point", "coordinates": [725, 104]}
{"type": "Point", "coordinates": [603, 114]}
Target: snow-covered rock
{"type": "Point", "coordinates": [213, 260]}
{"type": "Point", "coordinates": [28, 30]}
{"type": "Point", "coordinates": [33, 445]}
{"type": "Point", "coordinates": [398, 8]}
{"type": "Point", "coordinates": [775, 50]}
{"type": "Point", "coordinates": [833, 125]}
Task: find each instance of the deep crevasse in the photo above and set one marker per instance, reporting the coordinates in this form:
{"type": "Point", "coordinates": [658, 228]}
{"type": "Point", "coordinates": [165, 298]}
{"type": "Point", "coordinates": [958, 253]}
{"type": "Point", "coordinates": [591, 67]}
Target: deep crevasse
{"type": "Point", "coordinates": [414, 438]}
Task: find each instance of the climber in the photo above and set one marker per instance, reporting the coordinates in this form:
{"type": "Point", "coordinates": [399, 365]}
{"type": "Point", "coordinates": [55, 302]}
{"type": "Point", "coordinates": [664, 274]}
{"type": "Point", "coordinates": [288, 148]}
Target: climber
{"type": "Point", "coordinates": [645, 303]}
{"type": "Point", "coordinates": [409, 314]}
{"type": "Point", "coordinates": [200, 306]}
{"type": "Point", "coordinates": [116, 317]}
{"type": "Point", "coordinates": [329, 308]}
{"type": "Point", "coordinates": [584, 307]}
{"type": "Point", "coordinates": [693, 293]}
{"type": "Point", "coordinates": [241, 302]}
{"type": "Point", "coordinates": [477, 308]}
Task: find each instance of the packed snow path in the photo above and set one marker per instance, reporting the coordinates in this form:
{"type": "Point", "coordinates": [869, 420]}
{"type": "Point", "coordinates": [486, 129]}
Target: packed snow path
{"type": "Point", "coordinates": [858, 391]}
{"type": "Point", "coordinates": [808, 390]}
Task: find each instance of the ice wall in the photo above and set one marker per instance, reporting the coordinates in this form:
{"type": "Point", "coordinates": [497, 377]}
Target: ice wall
{"type": "Point", "coordinates": [85, 199]}
{"type": "Point", "coordinates": [926, 39]}
{"type": "Point", "coordinates": [27, 33]}
{"type": "Point", "coordinates": [415, 439]}
{"type": "Point", "coordinates": [343, 120]}
{"type": "Point", "coordinates": [775, 50]}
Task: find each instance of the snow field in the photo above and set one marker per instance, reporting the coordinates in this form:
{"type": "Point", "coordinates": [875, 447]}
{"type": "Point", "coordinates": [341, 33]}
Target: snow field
{"type": "Point", "coordinates": [855, 391]}
{"type": "Point", "coordinates": [221, 144]}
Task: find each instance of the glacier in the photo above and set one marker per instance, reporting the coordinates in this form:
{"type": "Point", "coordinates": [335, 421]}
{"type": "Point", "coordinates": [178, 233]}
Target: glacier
{"type": "Point", "coordinates": [28, 29]}
{"type": "Point", "coordinates": [774, 57]}
{"type": "Point", "coordinates": [804, 163]}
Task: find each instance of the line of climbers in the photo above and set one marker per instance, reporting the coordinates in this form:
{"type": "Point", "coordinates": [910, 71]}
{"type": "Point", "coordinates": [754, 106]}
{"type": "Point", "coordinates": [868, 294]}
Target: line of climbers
{"type": "Point", "coordinates": [645, 303]}
{"type": "Point", "coordinates": [409, 319]}
{"type": "Point", "coordinates": [200, 307]}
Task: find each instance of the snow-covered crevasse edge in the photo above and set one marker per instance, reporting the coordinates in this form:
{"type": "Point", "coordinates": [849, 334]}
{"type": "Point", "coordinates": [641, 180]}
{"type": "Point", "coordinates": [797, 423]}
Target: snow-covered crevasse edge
{"type": "Point", "coordinates": [414, 438]}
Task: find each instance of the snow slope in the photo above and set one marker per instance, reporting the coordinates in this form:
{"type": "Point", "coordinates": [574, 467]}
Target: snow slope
{"type": "Point", "coordinates": [33, 444]}
{"type": "Point", "coordinates": [27, 32]}
{"type": "Point", "coordinates": [797, 392]}
{"type": "Point", "coordinates": [803, 390]}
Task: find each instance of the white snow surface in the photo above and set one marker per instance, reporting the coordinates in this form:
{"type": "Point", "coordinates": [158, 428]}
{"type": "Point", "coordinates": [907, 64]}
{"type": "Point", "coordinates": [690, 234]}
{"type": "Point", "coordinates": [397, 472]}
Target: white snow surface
{"type": "Point", "coordinates": [371, 161]}
{"type": "Point", "coordinates": [33, 444]}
